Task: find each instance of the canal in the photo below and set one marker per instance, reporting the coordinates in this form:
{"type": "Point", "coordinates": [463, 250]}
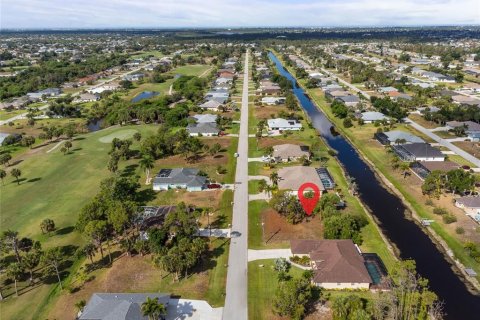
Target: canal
{"type": "Point", "coordinates": [389, 210]}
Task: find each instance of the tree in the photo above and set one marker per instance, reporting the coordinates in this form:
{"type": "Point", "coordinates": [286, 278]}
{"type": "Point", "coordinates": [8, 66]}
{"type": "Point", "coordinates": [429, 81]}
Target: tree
{"type": "Point", "coordinates": [15, 271]}
{"type": "Point", "coordinates": [147, 163]}
{"type": "Point", "coordinates": [137, 136]}
{"type": "Point", "coordinates": [27, 141]}
{"type": "Point", "coordinates": [63, 150]}
{"type": "Point", "coordinates": [51, 260]}
{"type": "Point", "coordinates": [68, 145]}
{"type": "Point", "coordinates": [3, 174]}
{"type": "Point", "coordinates": [459, 181]}
{"type": "Point", "coordinates": [345, 226]}
{"type": "Point", "coordinates": [274, 178]}
{"type": "Point", "coordinates": [96, 231]}
{"type": "Point", "coordinates": [348, 307]}
{"type": "Point", "coordinates": [215, 149]}
{"type": "Point", "coordinates": [16, 173]}
{"type": "Point", "coordinates": [80, 305]}
{"type": "Point", "coordinates": [11, 241]}
{"type": "Point", "coordinates": [292, 297]}
{"type": "Point", "coordinates": [262, 185]}
{"type": "Point", "coordinates": [153, 309]}
{"type": "Point", "coordinates": [405, 166]}
{"type": "Point", "coordinates": [434, 183]}
{"type": "Point", "coordinates": [112, 165]}
{"type": "Point", "coordinates": [5, 159]}
{"type": "Point", "coordinates": [47, 225]}
{"type": "Point", "coordinates": [90, 250]}
{"type": "Point", "coordinates": [30, 261]}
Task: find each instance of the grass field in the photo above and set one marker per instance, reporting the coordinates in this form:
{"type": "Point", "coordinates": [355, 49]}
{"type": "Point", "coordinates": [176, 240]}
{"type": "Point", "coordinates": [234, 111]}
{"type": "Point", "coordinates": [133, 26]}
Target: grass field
{"type": "Point", "coordinates": [4, 114]}
{"type": "Point", "coordinates": [262, 284]}
{"type": "Point", "coordinates": [55, 186]}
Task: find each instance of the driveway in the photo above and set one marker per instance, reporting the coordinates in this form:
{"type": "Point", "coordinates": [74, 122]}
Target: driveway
{"type": "Point", "coordinates": [182, 309]}
{"type": "Point", "coordinates": [236, 305]}
{"type": "Point", "coordinates": [268, 254]}
{"type": "Point", "coordinates": [467, 156]}
{"type": "Point", "coordinates": [217, 233]}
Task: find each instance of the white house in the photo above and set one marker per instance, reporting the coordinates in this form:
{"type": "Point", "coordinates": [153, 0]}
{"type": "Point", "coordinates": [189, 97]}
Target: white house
{"type": "Point", "coordinates": [273, 100]}
{"type": "Point", "coordinates": [284, 124]}
{"type": "Point", "coordinates": [179, 178]}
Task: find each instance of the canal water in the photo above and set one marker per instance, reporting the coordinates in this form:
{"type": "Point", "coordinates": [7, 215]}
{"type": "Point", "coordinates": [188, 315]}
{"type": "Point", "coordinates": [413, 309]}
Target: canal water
{"type": "Point", "coordinates": [412, 242]}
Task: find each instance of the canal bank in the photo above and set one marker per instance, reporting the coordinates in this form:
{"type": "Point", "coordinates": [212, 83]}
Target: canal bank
{"type": "Point", "coordinates": [389, 210]}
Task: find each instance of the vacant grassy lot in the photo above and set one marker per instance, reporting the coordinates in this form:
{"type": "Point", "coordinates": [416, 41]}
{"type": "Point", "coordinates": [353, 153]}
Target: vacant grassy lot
{"type": "Point", "coordinates": [139, 274]}
{"type": "Point", "coordinates": [4, 114]}
{"type": "Point", "coordinates": [262, 284]}
{"type": "Point", "coordinates": [421, 121]}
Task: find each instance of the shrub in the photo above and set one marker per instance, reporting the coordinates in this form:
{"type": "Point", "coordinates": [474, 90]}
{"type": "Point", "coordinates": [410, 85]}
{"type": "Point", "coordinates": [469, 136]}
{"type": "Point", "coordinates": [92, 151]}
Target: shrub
{"type": "Point", "coordinates": [304, 261]}
{"type": "Point", "coordinates": [440, 211]}
{"type": "Point", "coordinates": [429, 202]}
{"type": "Point", "coordinates": [449, 218]}
{"type": "Point", "coordinates": [460, 230]}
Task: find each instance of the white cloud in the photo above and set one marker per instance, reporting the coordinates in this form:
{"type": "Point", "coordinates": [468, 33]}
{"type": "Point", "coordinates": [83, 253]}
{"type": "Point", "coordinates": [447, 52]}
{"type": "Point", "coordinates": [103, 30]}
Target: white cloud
{"type": "Point", "coordinates": [247, 13]}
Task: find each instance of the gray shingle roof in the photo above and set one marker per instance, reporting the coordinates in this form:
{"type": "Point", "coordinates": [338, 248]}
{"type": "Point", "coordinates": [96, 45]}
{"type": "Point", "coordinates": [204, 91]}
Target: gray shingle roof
{"type": "Point", "coordinates": [119, 306]}
{"type": "Point", "coordinates": [188, 176]}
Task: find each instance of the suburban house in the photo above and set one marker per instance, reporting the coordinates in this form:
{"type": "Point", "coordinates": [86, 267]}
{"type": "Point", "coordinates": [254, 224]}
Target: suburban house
{"type": "Point", "coordinates": [465, 100]}
{"type": "Point", "coordinates": [149, 216]}
{"type": "Point", "coordinates": [211, 105]}
{"type": "Point", "coordinates": [290, 152]}
{"type": "Point", "coordinates": [291, 178]}
{"type": "Point", "coordinates": [207, 129]}
{"type": "Point", "coordinates": [470, 204]}
{"type": "Point", "coordinates": [49, 92]}
{"type": "Point", "coordinates": [387, 90]}
{"type": "Point", "coordinates": [87, 97]}
{"type": "Point", "coordinates": [418, 152]}
{"type": "Point", "coordinates": [397, 137]}
{"type": "Point", "coordinates": [133, 76]}
{"type": "Point", "coordinates": [349, 100]}
{"type": "Point", "coordinates": [372, 116]}
{"type": "Point", "coordinates": [424, 168]}
{"type": "Point", "coordinates": [273, 100]}
{"type": "Point", "coordinates": [119, 306]}
{"type": "Point", "coordinates": [472, 129]}
{"type": "Point", "coordinates": [336, 264]}
{"type": "Point", "coordinates": [179, 178]}
{"type": "Point", "coordinates": [284, 124]}
{"type": "Point", "coordinates": [332, 94]}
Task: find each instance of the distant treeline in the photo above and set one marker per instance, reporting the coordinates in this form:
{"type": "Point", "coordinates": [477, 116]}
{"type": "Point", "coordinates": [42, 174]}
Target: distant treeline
{"type": "Point", "coordinates": [53, 73]}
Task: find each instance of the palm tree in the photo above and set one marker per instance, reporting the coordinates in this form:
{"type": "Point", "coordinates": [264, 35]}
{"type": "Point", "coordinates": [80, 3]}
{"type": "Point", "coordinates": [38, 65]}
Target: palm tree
{"type": "Point", "coordinates": [153, 309]}
{"type": "Point", "coordinates": [16, 173]}
{"type": "Point", "coordinates": [147, 163]}
{"type": "Point", "coordinates": [274, 178]}
{"type": "Point", "coordinates": [3, 174]}
{"type": "Point", "coordinates": [15, 271]}
{"type": "Point", "coordinates": [262, 185]}
{"type": "Point", "coordinates": [405, 166]}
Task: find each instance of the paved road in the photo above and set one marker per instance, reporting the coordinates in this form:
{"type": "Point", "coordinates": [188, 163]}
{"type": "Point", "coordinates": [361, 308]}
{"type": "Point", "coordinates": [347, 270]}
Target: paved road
{"type": "Point", "coordinates": [444, 142]}
{"type": "Point", "coordinates": [236, 307]}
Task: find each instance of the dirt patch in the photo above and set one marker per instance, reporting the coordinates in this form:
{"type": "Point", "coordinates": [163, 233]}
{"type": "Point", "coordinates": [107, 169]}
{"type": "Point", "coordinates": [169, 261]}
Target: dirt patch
{"type": "Point", "coordinates": [279, 230]}
{"type": "Point", "coordinates": [471, 147]}
{"type": "Point", "coordinates": [265, 112]}
{"type": "Point", "coordinates": [266, 142]}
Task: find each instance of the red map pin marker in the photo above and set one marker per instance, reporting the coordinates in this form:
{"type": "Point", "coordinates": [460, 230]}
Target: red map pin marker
{"type": "Point", "coordinates": [308, 204]}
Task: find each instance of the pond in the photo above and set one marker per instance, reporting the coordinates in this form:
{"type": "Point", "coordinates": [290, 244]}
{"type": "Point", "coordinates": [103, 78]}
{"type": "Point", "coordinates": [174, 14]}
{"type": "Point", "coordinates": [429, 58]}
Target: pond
{"type": "Point", "coordinates": [389, 210]}
{"type": "Point", "coordinates": [144, 95]}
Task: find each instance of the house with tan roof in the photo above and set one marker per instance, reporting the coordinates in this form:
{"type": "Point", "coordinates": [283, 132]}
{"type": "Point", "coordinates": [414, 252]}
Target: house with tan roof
{"type": "Point", "coordinates": [290, 152]}
{"type": "Point", "coordinates": [291, 178]}
{"type": "Point", "coordinates": [336, 264]}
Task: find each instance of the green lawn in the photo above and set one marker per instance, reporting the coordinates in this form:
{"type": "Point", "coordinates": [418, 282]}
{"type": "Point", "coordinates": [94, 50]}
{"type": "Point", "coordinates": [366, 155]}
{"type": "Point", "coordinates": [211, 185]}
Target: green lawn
{"type": "Point", "coordinates": [192, 70]}
{"type": "Point", "coordinates": [253, 186]}
{"type": "Point", "coordinates": [4, 114]}
{"type": "Point", "coordinates": [56, 186]}
{"type": "Point", "coordinates": [262, 284]}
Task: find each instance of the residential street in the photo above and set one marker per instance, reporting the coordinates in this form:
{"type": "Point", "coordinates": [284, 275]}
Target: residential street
{"type": "Point", "coordinates": [445, 143]}
{"type": "Point", "coordinates": [236, 306]}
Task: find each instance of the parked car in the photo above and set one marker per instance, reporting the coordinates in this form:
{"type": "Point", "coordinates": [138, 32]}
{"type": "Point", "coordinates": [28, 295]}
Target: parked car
{"type": "Point", "coordinates": [214, 186]}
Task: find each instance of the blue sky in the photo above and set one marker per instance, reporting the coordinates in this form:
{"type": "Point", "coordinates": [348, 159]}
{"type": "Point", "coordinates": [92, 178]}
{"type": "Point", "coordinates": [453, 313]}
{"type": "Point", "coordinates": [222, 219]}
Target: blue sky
{"type": "Point", "coordinates": [235, 13]}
